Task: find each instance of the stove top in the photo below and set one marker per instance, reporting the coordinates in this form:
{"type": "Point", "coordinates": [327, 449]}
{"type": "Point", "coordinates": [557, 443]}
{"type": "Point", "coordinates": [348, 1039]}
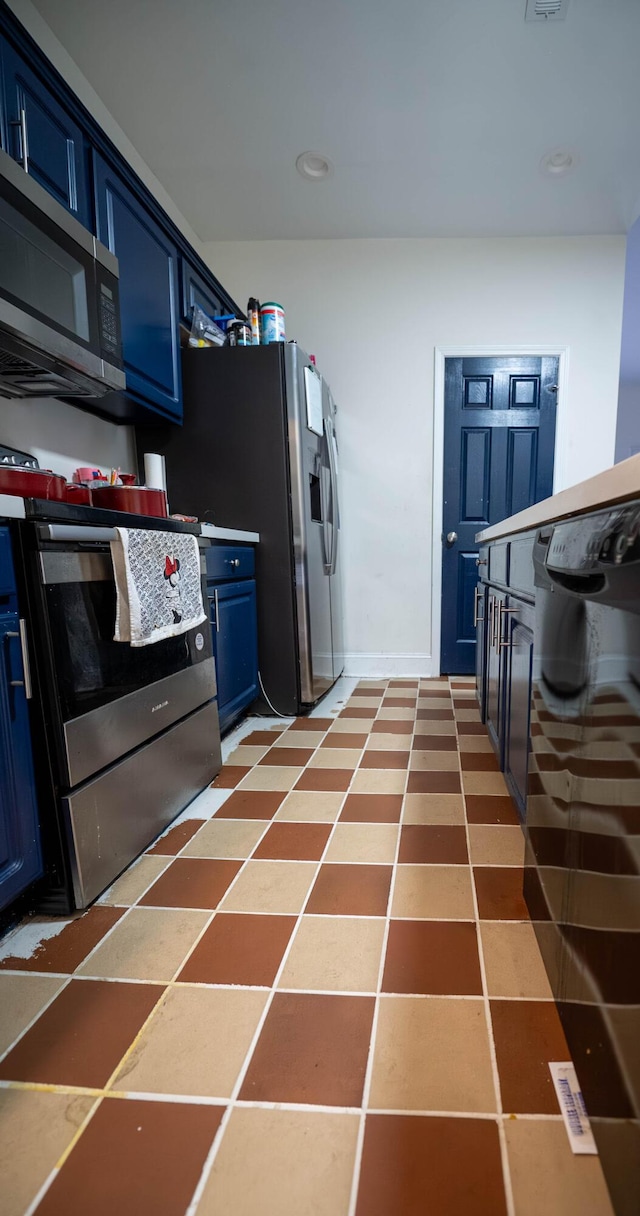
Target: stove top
{"type": "Point", "coordinates": [71, 512]}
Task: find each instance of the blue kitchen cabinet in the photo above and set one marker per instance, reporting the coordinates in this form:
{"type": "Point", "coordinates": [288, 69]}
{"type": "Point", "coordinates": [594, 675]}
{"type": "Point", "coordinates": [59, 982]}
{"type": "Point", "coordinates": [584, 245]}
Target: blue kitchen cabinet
{"type": "Point", "coordinates": [148, 262]}
{"type": "Point", "coordinates": [194, 290]}
{"type": "Point", "coordinates": [40, 134]}
{"type": "Point", "coordinates": [231, 590]}
{"type": "Point", "coordinates": [20, 850]}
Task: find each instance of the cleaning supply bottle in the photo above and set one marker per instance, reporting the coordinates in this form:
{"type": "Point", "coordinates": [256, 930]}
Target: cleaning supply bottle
{"type": "Point", "coordinates": [253, 317]}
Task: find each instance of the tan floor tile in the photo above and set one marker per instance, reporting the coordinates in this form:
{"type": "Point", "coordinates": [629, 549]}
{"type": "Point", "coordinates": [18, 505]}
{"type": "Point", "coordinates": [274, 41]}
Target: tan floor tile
{"type": "Point", "coordinates": [512, 960]}
{"type": "Point", "coordinates": [296, 738]}
{"type": "Point", "coordinates": [363, 842]}
{"type": "Point", "coordinates": [394, 714]}
{"type": "Point", "coordinates": [391, 743]}
{"type": "Point", "coordinates": [148, 944]}
{"type": "Point", "coordinates": [433, 892]}
{"type": "Point", "coordinates": [335, 757]}
{"type": "Point", "coordinates": [335, 953]}
{"type": "Point", "coordinates": [379, 781]}
{"type": "Point", "coordinates": [434, 682]}
{"type": "Point", "coordinates": [355, 726]}
{"type": "Point", "coordinates": [134, 882]}
{"type": "Point", "coordinates": [21, 998]}
{"type": "Point", "coordinates": [429, 726]}
{"type": "Point", "coordinates": [484, 783]}
{"type": "Point", "coordinates": [271, 886]}
{"type": "Point", "coordinates": [270, 777]}
{"type": "Point", "coordinates": [467, 715]}
{"type": "Point", "coordinates": [547, 1177]}
{"type": "Point", "coordinates": [426, 702]}
{"type": "Point", "coordinates": [282, 1163]}
{"type": "Point", "coordinates": [195, 1043]}
{"type": "Point", "coordinates": [433, 808]}
{"type": "Point", "coordinates": [371, 702]}
{"type": "Point", "coordinates": [246, 756]}
{"type": "Point", "coordinates": [437, 761]}
{"type": "Point", "coordinates": [491, 845]}
{"type": "Point", "coordinates": [476, 743]}
{"type": "Point", "coordinates": [432, 1054]}
{"type": "Point", "coordinates": [35, 1129]}
{"type": "Point", "coordinates": [226, 838]}
{"type": "Point", "coordinates": [311, 806]}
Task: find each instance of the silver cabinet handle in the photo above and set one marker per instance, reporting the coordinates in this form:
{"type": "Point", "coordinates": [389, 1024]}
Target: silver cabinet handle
{"type": "Point", "coordinates": [452, 538]}
{"type": "Point", "coordinates": [21, 124]}
{"type": "Point", "coordinates": [233, 561]}
{"type": "Point", "coordinates": [21, 633]}
{"type": "Point", "coordinates": [481, 561]}
{"type": "Point", "coordinates": [477, 619]}
{"type": "Point", "coordinates": [504, 642]}
{"type": "Point", "coordinates": [215, 600]}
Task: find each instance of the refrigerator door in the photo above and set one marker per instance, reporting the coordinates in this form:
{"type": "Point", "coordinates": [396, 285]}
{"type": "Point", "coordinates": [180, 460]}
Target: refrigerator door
{"type": "Point", "coordinates": [335, 534]}
{"type": "Point", "coordinates": [310, 479]}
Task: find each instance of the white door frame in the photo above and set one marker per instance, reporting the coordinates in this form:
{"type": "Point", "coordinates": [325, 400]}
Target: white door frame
{"type": "Point", "coordinates": [559, 457]}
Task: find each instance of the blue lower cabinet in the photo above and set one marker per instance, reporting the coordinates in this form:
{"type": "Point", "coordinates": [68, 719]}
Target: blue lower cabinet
{"type": "Point", "coordinates": [20, 851]}
{"type": "Point", "coordinates": [234, 625]}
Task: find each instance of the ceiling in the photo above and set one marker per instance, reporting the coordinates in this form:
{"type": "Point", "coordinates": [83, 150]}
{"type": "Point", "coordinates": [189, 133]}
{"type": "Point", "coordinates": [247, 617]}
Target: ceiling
{"type": "Point", "coordinates": [435, 113]}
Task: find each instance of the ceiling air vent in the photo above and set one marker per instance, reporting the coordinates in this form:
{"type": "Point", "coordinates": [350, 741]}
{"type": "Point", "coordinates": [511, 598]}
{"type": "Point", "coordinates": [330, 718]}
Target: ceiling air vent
{"type": "Point", "coordinates": [546, 10]}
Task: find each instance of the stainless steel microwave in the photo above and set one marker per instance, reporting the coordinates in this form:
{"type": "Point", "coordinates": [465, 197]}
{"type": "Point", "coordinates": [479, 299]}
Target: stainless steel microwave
{"type": "Point", "coordinates": [59, 302]}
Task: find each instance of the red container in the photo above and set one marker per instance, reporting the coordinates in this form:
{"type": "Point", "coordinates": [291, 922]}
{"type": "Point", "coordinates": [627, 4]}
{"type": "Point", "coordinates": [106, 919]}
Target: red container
{"type": "Point", "coordinates": [32, 483]}
{"type": "Point", "coordinates": [78, 494]}
{"type": "Point", "coordinates": [137, 499]}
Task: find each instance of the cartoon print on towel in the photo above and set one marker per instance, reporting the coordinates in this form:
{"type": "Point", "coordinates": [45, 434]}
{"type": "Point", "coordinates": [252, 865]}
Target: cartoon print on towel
{"type": "Point", "coordinates": [172, 591]}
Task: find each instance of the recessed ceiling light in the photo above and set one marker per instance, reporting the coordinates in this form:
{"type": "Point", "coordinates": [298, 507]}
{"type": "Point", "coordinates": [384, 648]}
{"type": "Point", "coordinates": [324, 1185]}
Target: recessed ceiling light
{"type": "Point", "coordinates": [559, 162]}
{"type": "Point", "coordinates": [313, 166]}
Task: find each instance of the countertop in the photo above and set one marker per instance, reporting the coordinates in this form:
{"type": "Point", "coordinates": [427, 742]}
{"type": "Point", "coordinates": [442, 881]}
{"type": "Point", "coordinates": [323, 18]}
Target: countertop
{"type": "Point", "coordinates": [618, 484]}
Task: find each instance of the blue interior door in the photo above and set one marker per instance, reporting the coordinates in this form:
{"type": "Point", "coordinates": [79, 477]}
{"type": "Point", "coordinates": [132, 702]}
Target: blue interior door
{"type": "Point", "coordinates": [499, 435]}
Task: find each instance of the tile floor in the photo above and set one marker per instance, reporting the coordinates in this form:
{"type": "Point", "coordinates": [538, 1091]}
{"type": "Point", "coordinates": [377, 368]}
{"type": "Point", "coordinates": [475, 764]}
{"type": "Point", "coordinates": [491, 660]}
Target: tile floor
{"type": "Point", "coordinates": [319, 993]}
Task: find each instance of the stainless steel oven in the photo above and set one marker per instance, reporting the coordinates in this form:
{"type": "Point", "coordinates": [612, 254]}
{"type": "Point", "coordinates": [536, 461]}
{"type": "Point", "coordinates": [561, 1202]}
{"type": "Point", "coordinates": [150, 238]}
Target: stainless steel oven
{"type": "Point", "coordinates": [132, 732]}
{"type": "Point", "coordinates": [59, 303]}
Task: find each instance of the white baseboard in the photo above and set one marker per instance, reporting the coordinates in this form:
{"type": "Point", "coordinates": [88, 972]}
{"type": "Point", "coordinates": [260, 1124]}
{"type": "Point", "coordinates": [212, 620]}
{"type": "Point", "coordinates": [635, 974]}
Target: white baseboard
{"type": "Point", "coordinates": [361, 664]}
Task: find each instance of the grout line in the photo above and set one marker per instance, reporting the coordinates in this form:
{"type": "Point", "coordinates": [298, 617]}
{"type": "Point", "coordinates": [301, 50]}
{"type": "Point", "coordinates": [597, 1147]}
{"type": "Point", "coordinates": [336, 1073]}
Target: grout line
{"type": "Point", "coordinates": [35, 1203]}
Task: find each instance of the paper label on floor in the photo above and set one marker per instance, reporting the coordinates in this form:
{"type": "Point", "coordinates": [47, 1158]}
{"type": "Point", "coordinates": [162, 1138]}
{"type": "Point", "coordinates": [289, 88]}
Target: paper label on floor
{"type": "Point", "coordinates": [571, 1102]}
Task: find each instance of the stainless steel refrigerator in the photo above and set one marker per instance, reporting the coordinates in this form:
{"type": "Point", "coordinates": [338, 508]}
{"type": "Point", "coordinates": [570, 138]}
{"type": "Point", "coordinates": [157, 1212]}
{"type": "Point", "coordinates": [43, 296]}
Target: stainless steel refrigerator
{"type": "Point", "coordinates": [258, 450]}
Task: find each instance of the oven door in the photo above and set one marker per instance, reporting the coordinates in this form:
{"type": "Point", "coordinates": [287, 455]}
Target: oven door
{"type": "Point", "coordinates": [109, 696]}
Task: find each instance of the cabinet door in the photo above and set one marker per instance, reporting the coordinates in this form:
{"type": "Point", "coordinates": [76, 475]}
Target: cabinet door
{"type": "Point", "coordinates": [196, 291]}
{"type": "Point", "coordinates": [20, 853]}
{"type": "Point", "coordinates": [235, 639]}
{"type": "Point", "coordinates": [495, 671]}
{"type": "Point", "coordinates": [518, 682]}
{"type": "Point", "coordinates": [43, 138]}
{"type": "Point", "coordinates": [148, 292]}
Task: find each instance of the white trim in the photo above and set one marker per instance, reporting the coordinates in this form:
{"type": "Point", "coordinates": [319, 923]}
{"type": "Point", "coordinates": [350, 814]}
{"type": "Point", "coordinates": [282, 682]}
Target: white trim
{"type": "Point", "coordinates": [377, 663]}
{"type": "Point", "coordinates": [538, 349]}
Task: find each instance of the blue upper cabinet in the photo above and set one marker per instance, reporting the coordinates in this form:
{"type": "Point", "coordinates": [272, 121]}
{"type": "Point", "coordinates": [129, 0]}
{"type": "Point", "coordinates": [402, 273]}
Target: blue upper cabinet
{"type": "Point", "coordinates": [196, 291]}
{"type": "Point", "coordinates": [40, 134]}
{"type": "Point", "coordinates": [148, 292]}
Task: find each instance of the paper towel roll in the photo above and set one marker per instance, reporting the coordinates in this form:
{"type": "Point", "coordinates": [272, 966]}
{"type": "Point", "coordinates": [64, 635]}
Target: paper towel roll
{"type": "Point", "coordinates": [154, 471]}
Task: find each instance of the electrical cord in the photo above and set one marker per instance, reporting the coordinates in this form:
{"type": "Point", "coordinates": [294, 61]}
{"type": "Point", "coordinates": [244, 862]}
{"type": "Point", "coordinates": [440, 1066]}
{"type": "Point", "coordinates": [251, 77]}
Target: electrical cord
{"type": "Point", "coordinates": [269, 703]}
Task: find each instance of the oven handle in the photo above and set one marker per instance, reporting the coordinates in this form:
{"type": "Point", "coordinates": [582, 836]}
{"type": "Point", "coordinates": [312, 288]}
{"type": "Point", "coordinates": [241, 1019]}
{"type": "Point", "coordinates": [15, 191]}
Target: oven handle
{"type": "Point", "coordinates": [75, 534]}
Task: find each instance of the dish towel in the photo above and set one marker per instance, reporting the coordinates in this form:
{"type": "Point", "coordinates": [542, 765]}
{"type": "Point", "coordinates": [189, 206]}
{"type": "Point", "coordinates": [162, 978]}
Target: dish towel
{"type": "Point", "coordinates": [159, 592]}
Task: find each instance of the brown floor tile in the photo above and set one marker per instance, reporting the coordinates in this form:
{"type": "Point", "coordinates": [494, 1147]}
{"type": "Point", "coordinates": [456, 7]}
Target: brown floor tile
{"type": "Point", "coordinates": [35, 1129]}
{"type": "Point", "coordinates": [363, 842]}
{"type": "Point", "coordinates": [226, 838]}
{"type": "Point", "coordinates": [431, 844]}
{"type": "Point", "coordinates": [433, 892]}
{"type": "Point", "coordinates": [312, 1049]}
{"type": "Point", "coordinates": [412, 1166]}
{"type": "Point", "coordinates": [392, 726]}
{"type": "Point", "coordinates": [434, 715]}
{"type": "Point", "coordinates": [471, 728]}
{"type": "Point", "coordinates": [499, 892]}
{"type": "Point", "coordinates": [229, 776]}
{"type": "Point", "coordinates": [435, 743]}
{"type": "Point", "coordinates": [192, 882]}
{"type": "Point", "coordinates": [147, 944]}
{"type": "Point", "coordinates": [355, 711]}
{"type": "Point", "coordinates": [239, 949]}
{"type": "Point", "coordinates": [325, 779]}
{"type": "Point", "coordinates": [271, 886]}
{"type": "Point", "coordinates": [283, 1163]}
{"type": "Point", "coordinates": [296, 756]}
{"type": "Point", "coordinates": [251, 804]}
{"type": "Point", "coordinates": [311, 724]}
{"type": "Point", "coordinates": [176, 838]}
{"type": "Point", "coordinates": [83, 1034]}
{"type": "Point", "coordinates": [568, 1184]}
{"type": "Point", "coordinates": [527, 1035]}
{"type": "Point", "coordinates": [293, 842]}
{"type": "Point", "coordinates": [350, 890]}
{"type": "Point", "coordinates": [479, 762]}
{"type": "Point", "coordinates": [432, 1054]}
{"type": "Point", "coordinates": [315, 806]}
{"type": "Point", "coordinates": [344, 739]}
{"type": "Point", "coordinates": [21, 998]}
{"type": "Point", "coordinates": [66, 951]}
{"type": "Point", "coordinates": [195, 1044]}
{"type": "Point", "coordinates": [438, 957]}
{"type": "Point", "coordinates": [512, 960]}
{"type": "Point", "coordinates": [335, 953]}
{"type": "Point", "coordinates": [261, 738]}
{"type": "Point", "coordinates": [433, 809]}
{"type": "Point", "coordinates": [363, 692]}
{"type": "Point", "coordinates": [379, 758]}
{"type": "Point", "coordinates": [372, 808]}
{"type": "Point", "coordinates": [135, 1157]}
{"type": "Point", "coordinates": [433, 783]}
{"type": "Point", "coordinates": [496, 845]}
{"type": "Point", "coordinates": [134, 882]}
{"type": "Point", "coordinates": [487, 808]}
{"type": "Point", "coordinates": [399, 702]}
{"type": "Point", "coordinates": [403, 684]}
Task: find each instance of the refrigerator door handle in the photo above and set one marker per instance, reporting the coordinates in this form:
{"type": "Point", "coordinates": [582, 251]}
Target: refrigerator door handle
{"type": "Point", "coordinates": [335, 522]}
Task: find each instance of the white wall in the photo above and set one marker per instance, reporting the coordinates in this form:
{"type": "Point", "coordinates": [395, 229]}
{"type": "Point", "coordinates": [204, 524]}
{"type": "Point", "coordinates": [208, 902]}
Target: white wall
{"type": "Point", "coordinates": [373, 312]}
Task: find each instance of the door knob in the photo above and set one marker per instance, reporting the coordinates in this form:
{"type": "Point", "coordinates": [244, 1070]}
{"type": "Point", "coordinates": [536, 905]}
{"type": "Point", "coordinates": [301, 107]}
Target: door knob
{"type": "Point", "coordinates": [452, 538]}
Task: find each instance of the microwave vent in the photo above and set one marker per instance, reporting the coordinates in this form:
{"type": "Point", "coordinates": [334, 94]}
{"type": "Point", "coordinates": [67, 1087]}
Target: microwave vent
{"type": "Point", "coordinates": [10, 366]}
{"type": "Point", "coordinates": [546, 10]}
